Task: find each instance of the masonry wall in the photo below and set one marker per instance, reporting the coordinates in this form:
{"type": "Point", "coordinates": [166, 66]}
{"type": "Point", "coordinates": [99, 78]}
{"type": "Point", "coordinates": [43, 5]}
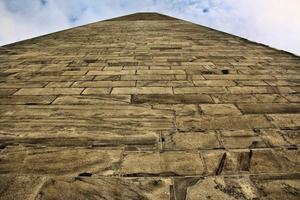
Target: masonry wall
{"type": "Point", "coordinates": [148, 107]}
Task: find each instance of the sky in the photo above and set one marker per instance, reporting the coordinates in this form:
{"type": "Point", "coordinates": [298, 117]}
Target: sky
{"type": "Point", "coordinates": [272, 22]}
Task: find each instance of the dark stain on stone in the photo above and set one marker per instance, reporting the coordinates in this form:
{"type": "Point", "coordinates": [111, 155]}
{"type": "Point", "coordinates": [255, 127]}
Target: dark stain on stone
{"type": "Point", "coordinates": [225, 71]}
{"type": "Point", "coordinates": [245, 160]}
{"type": "Point", "coordinates": [292, 147]}
{"type": "Point", "coordinates": [3, 146]}
{"type": "Point", "coordinates": [85, 174]}
{"type": "Point", "coordinates": [90, 60]}
{"type": "Point", "coordinates": [221, 165]}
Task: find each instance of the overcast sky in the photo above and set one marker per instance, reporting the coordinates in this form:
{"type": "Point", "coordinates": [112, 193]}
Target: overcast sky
{"type": "Point", "coordinates": [272, 22]}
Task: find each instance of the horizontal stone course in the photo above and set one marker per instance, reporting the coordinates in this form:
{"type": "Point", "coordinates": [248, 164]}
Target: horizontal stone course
{"type": "Point", "coordinates": [142, 90]}
{"type": "Point", "coordinates": [49, 91]}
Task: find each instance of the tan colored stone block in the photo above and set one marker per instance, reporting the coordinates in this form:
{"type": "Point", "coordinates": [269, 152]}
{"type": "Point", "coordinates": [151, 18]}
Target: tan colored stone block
{"type": "Point", "coordinates": [283, 82]}
{"type": "Point", "coordinates": [199, 90]}
{"type": "Point", "coordinates": [252, 83]}
{"type": "Point", "coordinates": [219, 109]}
{"type": "Point", "coordinates": [234, 98]}
{"type": "Point", "coordinates": [238, 77]}
{"type": "Point", "coordinates": [222, 122]}
{"type": "Point", "coordinates": [75, 160]}
{"type": "Point", "coordinates": [151, 77]}
{"type": "Point", "coordinates": [95, 84]}
{"type": "Point", "coordinates": [81, 72]}
{"type": "Point", "coordinates": [59, 84]}
{"type": "Point", "coordinates": [273, 137]}
{"type": "Point", "coordinates": [22, 85]}
{"type": "Point", "coordinates": [286, 120]}
{"type": "Point", "coordinates": [270, 98]}
{"type": "Point", "coordinates": [214, 83]}
{"type": "Point", "coordinates": [26, 100]}
{"type": "Point", "coordinates": [61, 78]}
{"type": "Point", "coordinates": [151, 72]}
{"type": "Point", "coordinates": [238, 133]}
{"type": "Point", "coordinates": [277, 188]}
{"type": "Point", "coordinates": [195, 140]}
{"type": "Point", "coordinates": [19, 186]}
{"type": "Point", "coordinates": [219, 187]}
{"type": "Point", "coordinates": [93, 100]}
{"type": "Point", "coordinates": [106, 72]}
{"type": "Point", "coordinates": [243, 142]}
{"type": "Point", "coordinates": [294, 98]}
{"type": "Point", "coordinates": [173, 163]}
{"type": "Point", "coordinates": [48, 91]}
{"type": "Point", "coordinates": [251, 90]}
{"type": "Point", "coordinates": [142, 90]}
{"type": "Point", "coordinates": [172, 99]}
{"type": "Point", "coordinates": [264, 108]}
{"type": "Point", "coordinates": [264, 161]}
{"type": "Point", "coordinates": [96, 91]}
{"type": "Point", "coordinates": [110, 68]}
{"type": "Point", "coordinates": [6, 92]}
{"type": "Point", "coordinates": [165, 83]}
{"type": "Point", "coordinates": [105, 188]}
{"type": "Point", "coordinates": [179, 109]}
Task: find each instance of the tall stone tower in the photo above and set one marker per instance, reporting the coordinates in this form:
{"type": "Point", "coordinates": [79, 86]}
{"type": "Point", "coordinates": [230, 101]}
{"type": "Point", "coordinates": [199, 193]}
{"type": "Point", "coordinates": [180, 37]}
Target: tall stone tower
{"type": "Point", "coordinates": [147, 106]}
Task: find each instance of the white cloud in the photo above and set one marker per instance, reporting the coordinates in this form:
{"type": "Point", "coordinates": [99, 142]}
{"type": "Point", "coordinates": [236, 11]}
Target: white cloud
{"type": "Point", "coordinates": [272, 22]}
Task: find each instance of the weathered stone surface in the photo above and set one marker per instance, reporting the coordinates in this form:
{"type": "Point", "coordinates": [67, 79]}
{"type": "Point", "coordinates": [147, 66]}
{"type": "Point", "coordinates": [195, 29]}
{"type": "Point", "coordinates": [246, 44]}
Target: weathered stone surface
{"type": "Point", "coordinates": [80, 187]}
{"type": "Point", "coordinates": [96, 84]}
{"type": "Point", "coordinates": [278, 188]}
{"type": "Point", "coordinates": [222, 122]}
{"type": "Point", "coordinates": [49, 91]}
{"type": "Point", "coordinates": [286, 120]}
{"type": "Point", "coordinates": [19, 186]}
{"type": "Point", "coordinates": [172, 99]}
{"type": "Point", "coordinates": [147, 106]}
{"type": "Point", "coordinates": [179, 109]}
{"type": "Point", "coordinates": [164, 164]}
{"type": "Point", "coordinates": [199, 90]}
{"type": "Point", "coordinates": [59, 161]}
{"type": "Point", "coordinates": [219, 109]}
{"type": "Point", "coordinates": [59, 84]}
{"type": "Point", "coordinates": [234, 98]}
{"type": "Point", "coordinates": [26, 100]}
{"type": "Point", "coordinates": [222, 188]}
{"type": "Point", "coordinates": [96, 91]}
{"type": "Point", "coordinates": [93, 99]}
{"type": "Point", "coordinates": [105, 188]}
{"type": "Point", "coordinates": [196, 140]}
{"type": "Point", "coordinates": [214, 83]}
{"type": "Point", "coordinates": [142, 90]}
{"type": "Point", "coordinates": [262, 108]}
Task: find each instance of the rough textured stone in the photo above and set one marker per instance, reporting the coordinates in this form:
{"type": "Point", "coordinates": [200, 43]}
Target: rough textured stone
{"type": "Point", "coordinates": [164, 164]}
{"type": "Point", "coordinates": [219, 109]}
{"type": "Point", "coordinates": [147, 106]}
